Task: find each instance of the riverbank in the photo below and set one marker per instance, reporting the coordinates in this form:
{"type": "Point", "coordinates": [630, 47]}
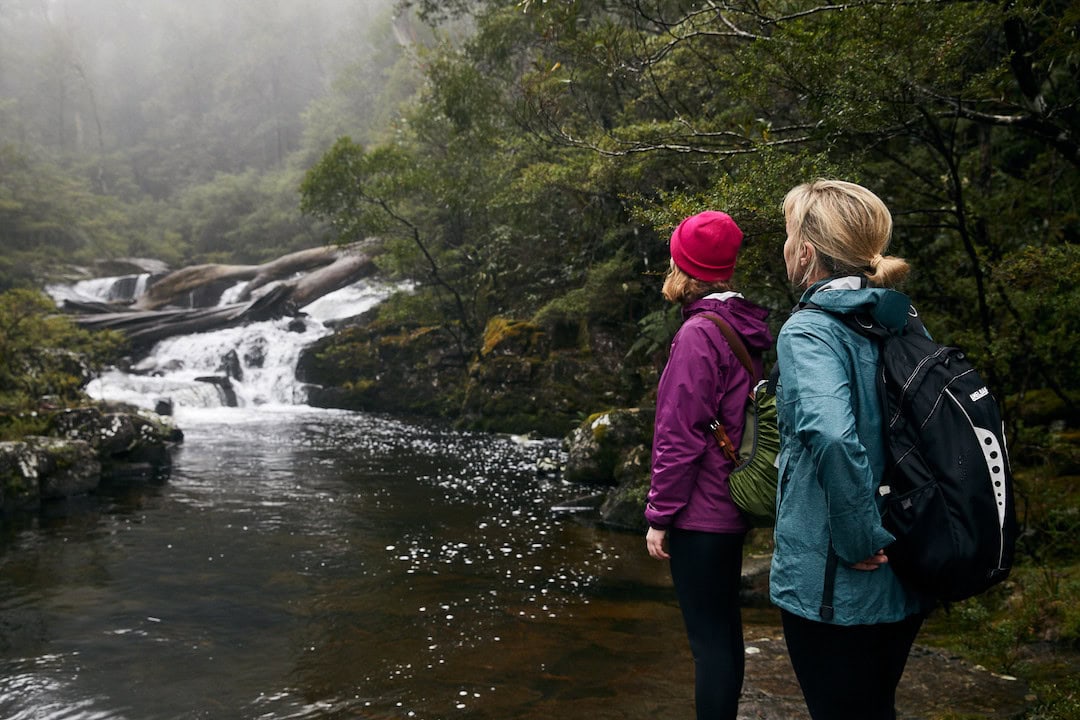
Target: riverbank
{"type": "Point", "coordinates": [74, 449]}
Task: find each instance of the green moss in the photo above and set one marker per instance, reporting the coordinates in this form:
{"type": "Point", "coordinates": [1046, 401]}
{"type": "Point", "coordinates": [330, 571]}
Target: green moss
{"type": "Point", "coordinates": [494, 333]}
{"type": "Point", "coordinates": [1056, 699]}
{"type": "Point", "coordinates": [513, 335]}
{"type": "Point", "coordinates": [599, 430]}
{"type": "Point", "coordinates": [359, 385]}
{"type": "Point", "coordinates": [637, 493]}
{"type": "Point", "coordinates": [596, 416]}
{"type": "Point", "coordinates": [14, 485]}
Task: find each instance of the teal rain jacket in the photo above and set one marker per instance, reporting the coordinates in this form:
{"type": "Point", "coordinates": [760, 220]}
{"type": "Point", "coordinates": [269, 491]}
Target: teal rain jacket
{"type": "Point", "coordinates": [832, 458]}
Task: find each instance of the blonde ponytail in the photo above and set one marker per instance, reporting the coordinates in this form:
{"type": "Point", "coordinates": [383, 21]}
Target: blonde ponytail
{"type": "Point", "coordinates": [887, 271]}
{"type": "Point", "coordinates": [849, 228]}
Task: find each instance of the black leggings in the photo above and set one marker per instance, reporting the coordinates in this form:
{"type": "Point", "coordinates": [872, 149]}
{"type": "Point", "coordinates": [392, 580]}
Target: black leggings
{"type": "Point", "coordinates": [849, 672]}
{"type": "Point", "coordinates": [706, 569]}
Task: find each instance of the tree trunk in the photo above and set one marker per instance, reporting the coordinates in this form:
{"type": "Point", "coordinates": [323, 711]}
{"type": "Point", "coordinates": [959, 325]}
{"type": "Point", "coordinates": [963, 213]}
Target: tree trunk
{"type": "Point", "coordinates": [149, 319]}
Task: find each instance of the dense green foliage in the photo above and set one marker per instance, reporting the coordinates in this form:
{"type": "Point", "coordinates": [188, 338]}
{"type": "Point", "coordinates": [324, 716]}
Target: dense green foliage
{"type": "Point", "coordinates": [562, 137]}
{"type": "Point", "coordinates": [544, 162]}
{"type": "Point", "coordinates": [45, 360]}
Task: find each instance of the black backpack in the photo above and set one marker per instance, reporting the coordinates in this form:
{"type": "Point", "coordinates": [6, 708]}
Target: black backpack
{"type": "Point", "coordinates": [947, 482]}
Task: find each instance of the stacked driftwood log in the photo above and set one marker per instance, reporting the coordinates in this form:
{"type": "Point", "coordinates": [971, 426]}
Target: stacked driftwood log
{"type": "Point", "coordinates": [274, 289]}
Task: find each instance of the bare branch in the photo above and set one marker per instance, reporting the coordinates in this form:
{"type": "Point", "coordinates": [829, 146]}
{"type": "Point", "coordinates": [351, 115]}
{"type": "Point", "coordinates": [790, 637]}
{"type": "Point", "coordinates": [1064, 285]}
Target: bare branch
{"type": "Point", "coordinates": [678, 148]}
{"type": "Point", "coordinates": [1060, 138]}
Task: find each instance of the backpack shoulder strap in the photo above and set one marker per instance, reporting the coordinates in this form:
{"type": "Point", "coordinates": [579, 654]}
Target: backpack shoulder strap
{"type": "Point", "coordinates": [864, 324]}
{"type": "Point", "coordinates": [734, 341]}
{"type": "Point", "coordinates": [831, 562]}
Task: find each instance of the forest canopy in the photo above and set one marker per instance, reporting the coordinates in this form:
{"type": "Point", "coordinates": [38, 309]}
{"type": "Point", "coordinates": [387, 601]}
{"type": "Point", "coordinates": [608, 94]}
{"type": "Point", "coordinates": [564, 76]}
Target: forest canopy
{"type": "Point", "coordinates": [529, 158]}
{"type": "Point", "coordinates": [562, 137]}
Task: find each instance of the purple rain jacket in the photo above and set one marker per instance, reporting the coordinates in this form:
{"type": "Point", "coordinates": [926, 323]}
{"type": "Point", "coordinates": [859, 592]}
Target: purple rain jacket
{"type": "Point", "coordinates": [689, 487]}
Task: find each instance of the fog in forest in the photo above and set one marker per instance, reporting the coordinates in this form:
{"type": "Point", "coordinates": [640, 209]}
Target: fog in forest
{"type": "Point", "coordinates": [182, 130]}
{"type": "Point", "coordinates": [215, 86]}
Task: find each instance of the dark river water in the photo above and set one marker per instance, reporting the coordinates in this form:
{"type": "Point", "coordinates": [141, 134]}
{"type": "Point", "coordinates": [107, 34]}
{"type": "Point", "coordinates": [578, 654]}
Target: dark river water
{"type": "Point", "coordinates": [317, 564]}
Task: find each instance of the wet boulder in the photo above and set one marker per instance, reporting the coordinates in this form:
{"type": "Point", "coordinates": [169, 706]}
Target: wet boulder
{"type": "Point", "coordinates": [255, 355]}
{"type": "Point", "coordinates": [125, 438]}
{"type": "Point", "coordinates": [82, 446]}
{"type": "Point", "coordinates": [606, 448]}
{"type": "Point", "coordinates": [613, 448]}
{"type": "Point", "coordinates": [231, 365]}
{"type": "Point", "coordinates": [224, 386]}
{"type": "Point", "coordinates": [624, 505]}
{"type": "Point", "coordinates": [45, 468]}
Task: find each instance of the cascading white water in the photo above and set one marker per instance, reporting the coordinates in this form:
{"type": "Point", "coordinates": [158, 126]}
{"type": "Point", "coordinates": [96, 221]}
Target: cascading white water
{"type": "Point", "coordinates": [259, 359]}
{"type": "Point", "coordinates": [108, 289]}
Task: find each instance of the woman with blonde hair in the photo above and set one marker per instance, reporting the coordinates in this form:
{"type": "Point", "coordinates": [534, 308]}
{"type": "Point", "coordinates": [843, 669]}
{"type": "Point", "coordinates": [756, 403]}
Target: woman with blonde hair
{"type": "Point", "coordinates": [693, 522]}
{"type": "Point", "coordinates": [848, 622]}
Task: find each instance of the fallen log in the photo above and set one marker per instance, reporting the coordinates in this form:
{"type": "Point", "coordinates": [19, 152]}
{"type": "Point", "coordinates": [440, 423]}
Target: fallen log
{"type": "Point", "coordinates": [335, 269]}
{"type": "Point", "coordinates": [169, 289]}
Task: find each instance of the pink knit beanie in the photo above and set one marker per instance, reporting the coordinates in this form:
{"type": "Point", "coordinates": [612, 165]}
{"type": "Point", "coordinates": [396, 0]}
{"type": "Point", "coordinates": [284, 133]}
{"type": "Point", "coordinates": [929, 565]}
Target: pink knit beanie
{"type": "Point", "coordinates": [704, 246]}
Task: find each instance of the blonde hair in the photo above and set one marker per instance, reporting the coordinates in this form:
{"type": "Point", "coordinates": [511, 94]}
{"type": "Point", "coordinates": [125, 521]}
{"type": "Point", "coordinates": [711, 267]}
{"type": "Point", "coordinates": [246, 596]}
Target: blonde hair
{"type": "Point", "coordinates": [684, 289]}
{"type": "Point", "coordinates": [849, 228]}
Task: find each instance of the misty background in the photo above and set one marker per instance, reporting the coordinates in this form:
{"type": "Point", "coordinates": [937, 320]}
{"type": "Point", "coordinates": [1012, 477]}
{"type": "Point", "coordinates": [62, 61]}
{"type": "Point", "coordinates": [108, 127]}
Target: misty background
{"type": "Point", "coordinates": [182, 130]}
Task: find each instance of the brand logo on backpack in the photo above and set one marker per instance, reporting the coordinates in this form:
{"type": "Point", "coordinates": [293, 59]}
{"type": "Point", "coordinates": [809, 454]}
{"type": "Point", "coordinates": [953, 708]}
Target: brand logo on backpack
{"type": "Point", "coordinates": [949, 501]}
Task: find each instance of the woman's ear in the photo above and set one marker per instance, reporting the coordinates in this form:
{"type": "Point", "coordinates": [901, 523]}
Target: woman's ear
{"type": "Point", "coordinates": [806, 255]}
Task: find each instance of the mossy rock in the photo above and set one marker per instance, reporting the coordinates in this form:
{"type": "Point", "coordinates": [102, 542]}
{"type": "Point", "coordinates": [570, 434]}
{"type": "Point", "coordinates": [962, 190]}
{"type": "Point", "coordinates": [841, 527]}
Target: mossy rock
{"type": "Point", "coordinates": [624, 507]}
{"type": "Point", "coordinates": [386, 367]}
{"type": "Point", "coordinates": [606, 448]}
{"type": "Point", "coordinates": [124, 437]}
{"type": "Point", "coordinates": [503, 336]}
{"type": "Point", "coordinates": [512, 382]}
{"type": "Point", "coordinates": [519, 382]}
{"type": "Point", "coordinates": [46, 468]}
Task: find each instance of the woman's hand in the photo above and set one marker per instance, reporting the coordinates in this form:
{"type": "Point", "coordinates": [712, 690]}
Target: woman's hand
{"type": "Point", "coordinates": [873, 562]}
{"type": "Point", "coordinates": [654, 541]}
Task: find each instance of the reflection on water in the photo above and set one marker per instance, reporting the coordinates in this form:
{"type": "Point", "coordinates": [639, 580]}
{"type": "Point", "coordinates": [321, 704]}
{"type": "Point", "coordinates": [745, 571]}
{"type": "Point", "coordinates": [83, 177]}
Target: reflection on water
{"type": "Point", "coordinates": [316, 564]}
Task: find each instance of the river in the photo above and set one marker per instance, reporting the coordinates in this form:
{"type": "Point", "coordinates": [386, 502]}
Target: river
{"type": "Point", "coordinates": [300, 563]}
{"type": "Point", "coordinates": [304, 563]}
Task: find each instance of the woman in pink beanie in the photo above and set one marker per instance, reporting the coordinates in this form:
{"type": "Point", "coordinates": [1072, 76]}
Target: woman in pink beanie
{"type": "Point", "coordinates": [693, 521]}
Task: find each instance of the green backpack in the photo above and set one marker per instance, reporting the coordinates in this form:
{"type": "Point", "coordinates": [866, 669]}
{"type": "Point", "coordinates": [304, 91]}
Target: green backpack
{"type": "Point", "coordinates": [753, 481]}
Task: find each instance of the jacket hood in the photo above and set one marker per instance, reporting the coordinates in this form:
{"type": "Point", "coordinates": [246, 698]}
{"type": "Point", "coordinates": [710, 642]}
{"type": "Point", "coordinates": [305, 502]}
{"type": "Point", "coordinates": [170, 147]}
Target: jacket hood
{"type": "Point", "coordinates": [747, 318]}
{"type": "Point", "coordinates": [848, 296]}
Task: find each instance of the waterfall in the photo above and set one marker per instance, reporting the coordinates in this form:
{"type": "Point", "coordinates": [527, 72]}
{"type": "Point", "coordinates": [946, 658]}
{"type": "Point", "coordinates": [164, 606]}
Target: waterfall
{"type": "Point", "coordinates": [124, 288]}
{"type": "Point", "coordinates": [250, 366]}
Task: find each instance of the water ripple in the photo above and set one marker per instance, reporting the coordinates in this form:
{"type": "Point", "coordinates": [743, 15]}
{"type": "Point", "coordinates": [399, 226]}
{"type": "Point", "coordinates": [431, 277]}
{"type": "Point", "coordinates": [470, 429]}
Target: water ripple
{"type": "Point", "coordinates": [330, 565]}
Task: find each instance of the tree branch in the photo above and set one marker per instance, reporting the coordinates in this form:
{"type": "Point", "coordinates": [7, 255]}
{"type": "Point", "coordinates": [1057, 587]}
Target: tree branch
{"type": "Point", "coordinates": [435, 275]}
{"type": "Point", "coordinates": [1060, 138]}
